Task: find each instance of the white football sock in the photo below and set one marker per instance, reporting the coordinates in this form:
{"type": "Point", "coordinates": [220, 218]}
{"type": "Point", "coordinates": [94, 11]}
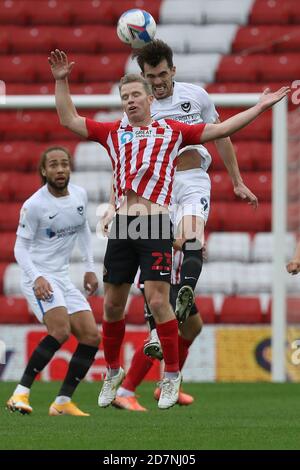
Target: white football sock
{"type": "Point", "coordinates": [62, 400]}
{"type": "Point", "coordinates": [123, 392]}
{"type": "Point", "coordinates": [21, 390]}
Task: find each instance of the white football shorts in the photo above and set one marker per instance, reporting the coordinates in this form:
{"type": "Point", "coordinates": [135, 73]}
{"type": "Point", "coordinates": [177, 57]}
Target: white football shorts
{"type": "Point", "coordinates": [190, 195]}
{"type": "Point", "coordinates": [64, 294]}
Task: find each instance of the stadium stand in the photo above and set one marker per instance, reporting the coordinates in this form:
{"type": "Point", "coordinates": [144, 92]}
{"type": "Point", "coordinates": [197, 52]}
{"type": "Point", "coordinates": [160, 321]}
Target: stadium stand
{"type": "Point", "coordinates": [225, 45]}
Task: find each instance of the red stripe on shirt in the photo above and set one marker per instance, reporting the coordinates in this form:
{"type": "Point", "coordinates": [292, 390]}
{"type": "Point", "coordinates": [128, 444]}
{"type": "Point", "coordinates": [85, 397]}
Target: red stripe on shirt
{"type": "Point", "coordinates": [150, 170]}
{"type": "Point", "coordinates": [166, 162]}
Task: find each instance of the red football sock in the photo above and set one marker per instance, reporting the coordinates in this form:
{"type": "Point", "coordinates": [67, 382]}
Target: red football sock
{"type": "Point", "coordinates": [139, 367]}
{"type": "Point", "coordinates": [168, 335]}
{"type": "Point", "coordinates": [183, 350]}
{"type": "Point", "coordinates": [113, 335]}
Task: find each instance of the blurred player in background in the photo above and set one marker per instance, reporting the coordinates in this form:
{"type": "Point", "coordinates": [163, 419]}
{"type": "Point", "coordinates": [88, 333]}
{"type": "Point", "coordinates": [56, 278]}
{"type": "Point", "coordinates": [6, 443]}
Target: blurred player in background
{"type": "Point", "coordinates": [51, 221]}
{"type": "Point", "coordinates": [143, 153]}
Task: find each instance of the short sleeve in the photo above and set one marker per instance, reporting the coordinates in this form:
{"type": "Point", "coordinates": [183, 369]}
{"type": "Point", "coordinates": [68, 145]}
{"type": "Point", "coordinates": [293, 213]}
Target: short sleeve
{"type": "Point", "coordinates": [191, 133]}
{"type": "Point", "coordinates": [99, 131]}
{"type": "Point", "coordinates": [28, 222]}
{"type": "Point", "coordinates": [209, 113]}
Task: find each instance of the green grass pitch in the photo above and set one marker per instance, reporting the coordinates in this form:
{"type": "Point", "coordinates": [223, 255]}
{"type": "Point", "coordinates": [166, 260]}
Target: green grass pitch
{"type": "Point", "coordinates": [224, 416]}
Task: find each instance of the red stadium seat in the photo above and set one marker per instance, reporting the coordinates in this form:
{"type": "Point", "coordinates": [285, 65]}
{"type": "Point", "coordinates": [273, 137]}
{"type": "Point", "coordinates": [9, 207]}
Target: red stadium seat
{"type": "Point", "coordinates": [92, 88]}
{"type": "Point", "coordinates": [15, 155]}
{"type": "Point", "coordinates": [23, 125]}
{"type": "Point", "coordinates": [77, 39]}
{"type": "Point", "coordinates": [96, 304]}
{"type": "Point", "coordinates": [205, 306]}
{"type": "Point", "coordinates": [294, 186]}
{"type": "Point", "coordinates": [12, 12]}
{"type": "Point", "coordinates": [221, 187]}
{"type": "Point", "coordinates": [240, 217]}
{"type": "Point", "coordinates": [14, 310]}
{"type": "Point", "coordinates": [262, 155]}
{"type": "Point", "coordinates": [241, 310]}
{"type": "Point", "coordinates": [293, 310]}
{"type": "Point", "coordinates": [92, 12]}
{"type": "Point", "coordinates": [9, 216]}
{"type": "Point", "coordinates": [260, 129]}
{"type": "Point", "coordinates": [293, 218]}
{"type": "Point", "coordinates": [280, 67]}
{"type": "Point", "coordinates": [32, 39]}
{"type": "Point", "coordinates": [7, 243]}
{"type": "Point", "coordinates": [251, 156]}
{"type": "Point", "coordinates": [253, 39]}
{"type": "Point", "coordinates": [294, 10]}
{"type": "Point", "coordinates": [4, 42]}
{"type": "Point", "coordinates": [5, 186]}
{"type": "Point", "coordinates": [258, 154]}
{"type": "Point", "coordinates": [135, 311]}
{"type": "Point", "coordinates": [55, 12]}
{"type": "Point", "coordinates": [267, 39]}
{"type": "Point", "coordinates": [104, 68]}
{"type": "Point", "coordinates": [152, 6]}
{"type": "Point", "coordinates": [101, 88]}
{"type": "Point", "coordinates": [260, 184]}
{"type": "Point", "coordinates": [217, 212]}
{"type": "Point", "coordinates": [17, 68]}
{"type": "Point", "coordinates": [3, 267]}
{"type": "Point", "coordinates": [108, 41]}
{"type": "Point", "coordinates": [30, 88]}
{"type": "Point", "coordinates": [24, 185]}
{"type": "Point", "coordinates": [270, 12]}
{"type": "Point", "coordinates": [238, 68]}
{"type": "Point", "coordinates": [244, 87]}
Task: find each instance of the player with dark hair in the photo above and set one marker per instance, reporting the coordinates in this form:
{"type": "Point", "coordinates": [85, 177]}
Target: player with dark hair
{"type": "Point", "coordinates": [144, 154]}
{"type": "Point", "coordinates": [189, 208]}
{"type": "Point", "coordinates": [51, 221]}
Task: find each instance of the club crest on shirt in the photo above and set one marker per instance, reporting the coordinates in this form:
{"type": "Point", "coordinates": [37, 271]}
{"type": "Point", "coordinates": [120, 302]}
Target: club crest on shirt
{"type": "Point", "coordinates": [80, 210]}
{"type": "Point", "coordinates": [186, 107]}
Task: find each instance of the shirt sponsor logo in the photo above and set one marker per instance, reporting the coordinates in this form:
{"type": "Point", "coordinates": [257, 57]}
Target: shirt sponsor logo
{"type": "Point", "coordinates": [126, 137]}
{"type": "Point", "coordinates": [194, 118]}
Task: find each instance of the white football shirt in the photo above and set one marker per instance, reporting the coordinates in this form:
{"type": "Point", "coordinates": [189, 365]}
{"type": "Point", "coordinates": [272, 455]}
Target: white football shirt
{"type": "Point", "coordinates": [52, 224]}
{"type": "Point", "coordinates": [190, 104]}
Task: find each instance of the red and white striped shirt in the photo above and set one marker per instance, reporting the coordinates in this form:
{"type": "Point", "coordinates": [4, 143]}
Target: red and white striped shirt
{"type": "Point", "coordinates": [144, 158]}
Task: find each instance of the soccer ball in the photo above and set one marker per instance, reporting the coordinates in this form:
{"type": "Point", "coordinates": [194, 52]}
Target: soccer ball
{"type": "Point", "coordinates": [136, 27]}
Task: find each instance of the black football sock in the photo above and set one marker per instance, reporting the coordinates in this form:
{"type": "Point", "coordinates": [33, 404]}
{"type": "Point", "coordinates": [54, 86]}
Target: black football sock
{"type": "Point", "coordinates": [149, 317]}
{"type": "Point", "coordinates": [80, 363]}
{"type": "Point", "coordinates": [147, 313]}
{"type": "Point", "coordinates": [192, 263]}
{"type": "Point", "coordinates": [39, 359]}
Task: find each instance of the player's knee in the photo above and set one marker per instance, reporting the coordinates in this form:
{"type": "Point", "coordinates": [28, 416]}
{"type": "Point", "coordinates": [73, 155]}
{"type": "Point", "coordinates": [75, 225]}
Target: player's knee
{"type": "Point", "coordinates": [113, 309]}
{"type": "Point", "coordinates": [92, 338]}
{"type": "Point", "coordinates": [157, 304]}
{"type": "Point", "coordinates": [61, 334]}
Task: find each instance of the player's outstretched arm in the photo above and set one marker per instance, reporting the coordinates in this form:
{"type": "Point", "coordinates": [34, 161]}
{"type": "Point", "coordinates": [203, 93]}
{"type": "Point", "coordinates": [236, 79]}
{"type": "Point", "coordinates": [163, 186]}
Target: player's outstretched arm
{"type": "Point", "coordinates": [240, 120]}
{"type": "Point", "coordinates": [66, 110]}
